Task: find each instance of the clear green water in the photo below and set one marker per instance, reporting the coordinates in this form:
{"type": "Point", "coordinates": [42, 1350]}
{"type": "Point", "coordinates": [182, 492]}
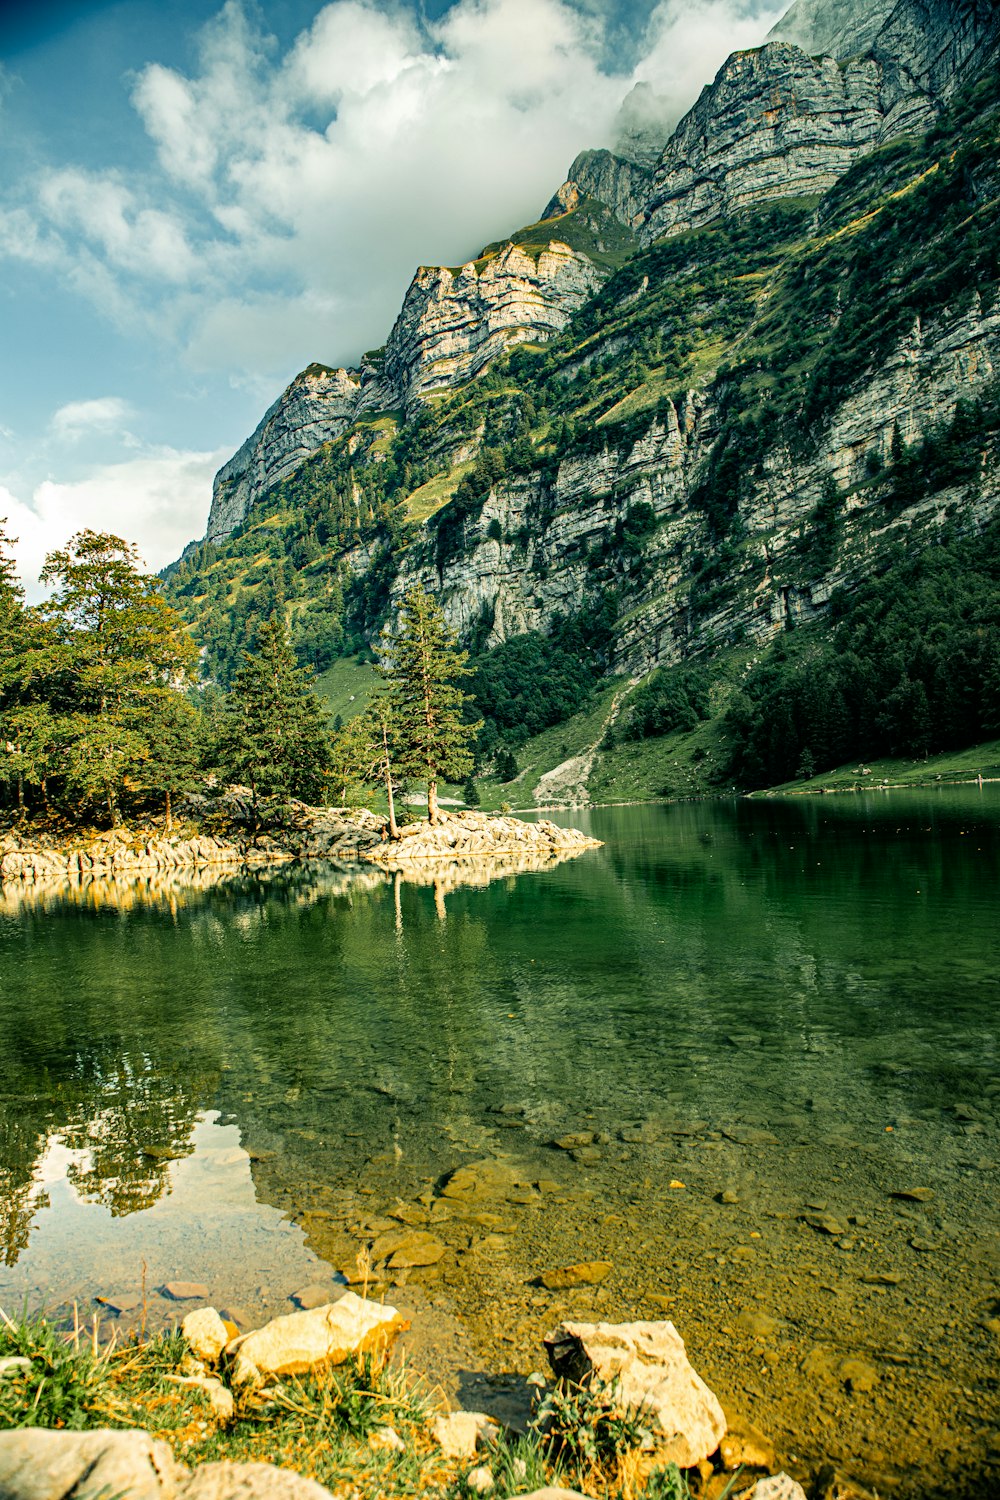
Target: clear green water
{"type": "Point", "coordinates": [791, 1002]}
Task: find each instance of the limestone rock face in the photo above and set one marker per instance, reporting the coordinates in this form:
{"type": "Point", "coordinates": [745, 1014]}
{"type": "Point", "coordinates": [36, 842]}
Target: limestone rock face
{"type": "Point", "coordinates": [778, 122]}
{"type": "Point", "coordinates": [623, 185]}
{"type": "Point", "coordinates": [916, 386]}
{"type": "Point", "coordinates": [833, 28]}
{"type": "Point", "coordinates": [775, 123]}
{"type": "Point", "coordinates": [322, 1336]}
{"type": "Point", "coordinates": [649, 1363]}
{"type": "Point", "coordinates": [318, 406]}
{"type": "Point", "coordinates": [452, 326]}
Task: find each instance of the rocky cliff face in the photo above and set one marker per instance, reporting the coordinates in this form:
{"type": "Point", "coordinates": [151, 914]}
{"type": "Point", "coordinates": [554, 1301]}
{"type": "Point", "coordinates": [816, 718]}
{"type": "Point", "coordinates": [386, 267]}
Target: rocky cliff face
{"type": "Point", "coordinates": [775, 124]}
{"type": "Point", "coordinates": [451, 326]}
{"type": "Point", "coordinates": [454, 324]}
{"type": "Point", "coordinates": [623, 185]}
{"type": "Point", "coordinates": [833, 28]}
{"type": "Point", "coordinates": [833, 82]}
{"type": "Point", "coordinates": [319, 405]}
{"type": "Point", "coordinates": [519, 580]}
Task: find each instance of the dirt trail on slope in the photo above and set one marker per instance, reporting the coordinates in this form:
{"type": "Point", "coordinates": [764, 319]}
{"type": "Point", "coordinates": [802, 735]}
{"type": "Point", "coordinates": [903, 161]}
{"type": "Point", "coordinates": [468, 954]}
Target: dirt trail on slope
{"type": "Point", "coordinates": [566, 784]}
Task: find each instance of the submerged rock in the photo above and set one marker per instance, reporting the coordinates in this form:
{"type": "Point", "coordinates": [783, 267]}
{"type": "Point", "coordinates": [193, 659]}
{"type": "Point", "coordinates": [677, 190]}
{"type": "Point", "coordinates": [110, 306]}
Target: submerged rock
{"type": "Point", "coordinates": [586, 1273]}
{"type": "Point", "coordinates": [650, 1365]}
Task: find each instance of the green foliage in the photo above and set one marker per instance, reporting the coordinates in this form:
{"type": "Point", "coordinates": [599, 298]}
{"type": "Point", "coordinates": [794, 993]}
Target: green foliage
{"type": "Point", "coordinates": [274, 736]}
{"type": "Point", "coordinates": [348, 1399]}
{"type": "Point", "coordinates": [424, 667]}
{"type": "Point", "coordinates": [672, 698]}
{"type": "Point", "coordinates": [64, 1385]}
{"type": "Point", "coordinates": [92, 683]}
{"type": "Point", "coordinates": [532, 681]}
{"type": "Point", "coordinates": [670, 1483]}
{"type": "Point", "coordinates": [823, 531]}
{"type": "Point", "coordinates": [589, 1427]}
{"type": "Point", "coordinates": [911, 666]}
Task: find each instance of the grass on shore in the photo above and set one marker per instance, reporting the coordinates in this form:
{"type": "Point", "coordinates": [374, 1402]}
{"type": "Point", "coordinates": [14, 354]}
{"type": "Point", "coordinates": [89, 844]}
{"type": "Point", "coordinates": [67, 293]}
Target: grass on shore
{"type": "Point", "coordinates": [331, 1425]}
{"type": "Point", "coordinates": [951, 767]}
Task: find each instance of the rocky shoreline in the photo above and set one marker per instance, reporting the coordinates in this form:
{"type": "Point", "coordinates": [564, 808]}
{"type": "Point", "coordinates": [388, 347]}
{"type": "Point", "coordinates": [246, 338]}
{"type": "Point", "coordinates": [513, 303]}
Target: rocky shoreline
{"type": "Point", "coordinates": [210, 838]}
{"type": "Point", "coordinates": [623, 1410]}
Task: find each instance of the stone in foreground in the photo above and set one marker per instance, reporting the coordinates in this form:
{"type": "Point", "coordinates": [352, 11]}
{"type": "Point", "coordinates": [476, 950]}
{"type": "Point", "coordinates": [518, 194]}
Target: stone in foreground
{"type": "Point", "coordinates": [322, 1336]}
{"type": "Point", "coordinates": [651, 1367]}
{"type": "Point", "coordinates": [585, 1273]}
{"type": "Point", "coordinates": [224, 1481]}
{"type": "Point", "coordinates": [41, 1465]}
{"type": "Point", "coordinates": [460, 1433]}
{"type": "Point", "coordinates": [206, 1333]}
{"type": "Point", "coordinates": [777, 1487]}
{"type": "Point", "coordinates": [36, 1464]}
{"type": "Point", "coordinates": [184, 1291]}
{"type": "Point", "coordinates": [552, 1492]}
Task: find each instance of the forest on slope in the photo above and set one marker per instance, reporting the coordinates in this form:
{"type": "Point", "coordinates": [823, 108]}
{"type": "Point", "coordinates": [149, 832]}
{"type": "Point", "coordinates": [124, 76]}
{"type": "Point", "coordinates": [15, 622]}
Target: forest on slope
{"type": "Point", "coordinates": [667, 482]}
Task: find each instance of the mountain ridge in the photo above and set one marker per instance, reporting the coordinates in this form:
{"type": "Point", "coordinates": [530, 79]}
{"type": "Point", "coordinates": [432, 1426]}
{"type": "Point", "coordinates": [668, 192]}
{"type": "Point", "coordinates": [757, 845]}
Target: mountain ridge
{"type": "Point", "coordinates": [722, 434]}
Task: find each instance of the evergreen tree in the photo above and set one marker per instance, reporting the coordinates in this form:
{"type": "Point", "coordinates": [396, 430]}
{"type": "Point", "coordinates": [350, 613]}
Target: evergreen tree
{"type": "Point", "coordinates": [423, 667]}
{"type": "Point", "coordinates": [274, 733]}
{"type": "Point", "coordinates": [380, 731]}
{"type": "Point", "coordinates": [110, 666]}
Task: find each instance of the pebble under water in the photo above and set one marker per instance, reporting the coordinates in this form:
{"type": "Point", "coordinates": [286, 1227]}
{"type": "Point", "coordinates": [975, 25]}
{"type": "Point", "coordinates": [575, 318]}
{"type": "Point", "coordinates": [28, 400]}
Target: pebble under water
{"type": "Point", "coordinates": [763, 1033]}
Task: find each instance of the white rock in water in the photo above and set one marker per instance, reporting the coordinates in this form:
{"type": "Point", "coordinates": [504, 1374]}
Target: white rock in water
{"type": "Point", "coordinates": [650, 1365]}
{"type": "Point", "coordinates": [322, 1336]}
{"type": "Point", "coordinates": [206, 1333]}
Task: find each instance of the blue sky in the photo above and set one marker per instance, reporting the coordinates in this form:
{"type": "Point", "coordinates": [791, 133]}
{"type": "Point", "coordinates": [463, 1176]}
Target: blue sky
{"type": "Point", "coordinates": [198, 199]}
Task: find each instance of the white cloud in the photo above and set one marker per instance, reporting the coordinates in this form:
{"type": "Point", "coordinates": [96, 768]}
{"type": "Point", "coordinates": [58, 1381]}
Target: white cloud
{"type": "Point", "coordinates": [109, 217]}
{"type": "Point", "coordinates": [158, 500]}
{"type": "Point", "coordinates": [289, 197]}
{"type": "Point", "coordinates": [687, 41]}
{"type": "Point", "coordinates": [323, 177]}
{"type": "Point", "coordinates": [102, 414]}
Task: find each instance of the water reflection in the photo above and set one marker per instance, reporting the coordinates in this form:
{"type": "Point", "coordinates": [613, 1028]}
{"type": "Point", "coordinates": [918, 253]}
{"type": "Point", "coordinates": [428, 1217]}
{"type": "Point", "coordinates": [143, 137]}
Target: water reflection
{"type": "Point", "coordinates": [772, 1001]}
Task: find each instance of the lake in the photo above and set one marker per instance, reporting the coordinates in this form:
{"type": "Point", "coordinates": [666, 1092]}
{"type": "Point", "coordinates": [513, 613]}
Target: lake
{"type": "Point", "coordinates": [766, 1033]}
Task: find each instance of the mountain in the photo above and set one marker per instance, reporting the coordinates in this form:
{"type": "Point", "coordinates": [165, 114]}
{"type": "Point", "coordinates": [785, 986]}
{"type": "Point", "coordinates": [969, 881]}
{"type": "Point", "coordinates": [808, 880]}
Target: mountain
{"type": "Point", "coordinates": [710, 388]}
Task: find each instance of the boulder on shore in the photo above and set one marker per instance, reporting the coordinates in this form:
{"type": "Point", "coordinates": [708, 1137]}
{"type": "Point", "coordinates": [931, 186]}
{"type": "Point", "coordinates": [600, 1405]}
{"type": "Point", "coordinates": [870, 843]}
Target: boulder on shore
{"type": "Point", "coordinates": [322, 1336]}
{"type": "Point", "coordinates": [36, 1464]}
{"type": "Point", "coordinates": [649, 1366]}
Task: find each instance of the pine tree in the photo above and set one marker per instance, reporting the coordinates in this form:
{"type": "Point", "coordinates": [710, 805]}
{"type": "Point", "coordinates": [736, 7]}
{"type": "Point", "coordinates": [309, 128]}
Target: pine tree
{"type": "Point", "coordinates": [423, 667]}
{"type": "Point", "coordinates": [274, 734]}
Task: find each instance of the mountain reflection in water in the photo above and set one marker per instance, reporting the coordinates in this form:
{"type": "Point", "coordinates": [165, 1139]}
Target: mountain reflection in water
{"type": "Point", "coordinates": [772, 1003]}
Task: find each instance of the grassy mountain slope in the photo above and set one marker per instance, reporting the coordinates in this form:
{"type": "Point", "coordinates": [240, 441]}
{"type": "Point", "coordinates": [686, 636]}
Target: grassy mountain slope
{"type": "Point", "coordinates": [748, 338]}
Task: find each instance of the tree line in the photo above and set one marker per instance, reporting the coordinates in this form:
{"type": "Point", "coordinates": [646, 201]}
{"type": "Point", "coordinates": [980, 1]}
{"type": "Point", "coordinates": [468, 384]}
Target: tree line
{"type": "Point", "coordinates": [101, 708]}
